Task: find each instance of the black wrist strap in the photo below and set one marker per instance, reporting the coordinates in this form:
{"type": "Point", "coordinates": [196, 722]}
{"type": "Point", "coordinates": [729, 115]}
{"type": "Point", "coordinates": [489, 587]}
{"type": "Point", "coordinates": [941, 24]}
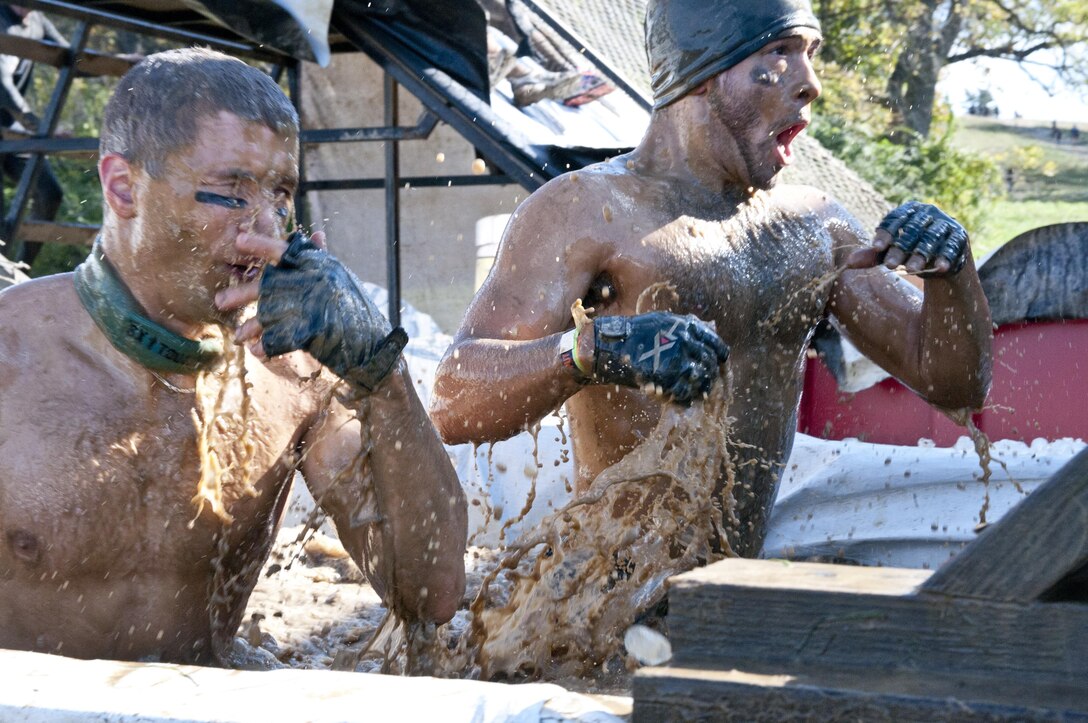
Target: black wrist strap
{"type": "Point", "coordinates": [384, 360]}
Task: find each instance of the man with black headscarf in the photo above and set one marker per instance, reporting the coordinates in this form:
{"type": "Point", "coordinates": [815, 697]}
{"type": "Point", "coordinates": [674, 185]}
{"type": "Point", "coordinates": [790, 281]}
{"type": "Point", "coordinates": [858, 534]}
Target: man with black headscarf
{"type": "Point", "coordinates": [753, 266]}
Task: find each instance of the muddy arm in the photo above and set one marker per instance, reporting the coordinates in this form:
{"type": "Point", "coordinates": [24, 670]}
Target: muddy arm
{"type": "Point", "coordinates": [937, 342]}
{"type": "Point", "coordinates": [503, 371]}
{"type": "Point", "coordinates": [399, 511]}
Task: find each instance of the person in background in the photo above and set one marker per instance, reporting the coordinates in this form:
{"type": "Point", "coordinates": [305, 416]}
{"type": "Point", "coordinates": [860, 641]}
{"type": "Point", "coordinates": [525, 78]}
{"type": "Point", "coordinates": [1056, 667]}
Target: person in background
{"type": "Point", "coordinates": [16, 115]}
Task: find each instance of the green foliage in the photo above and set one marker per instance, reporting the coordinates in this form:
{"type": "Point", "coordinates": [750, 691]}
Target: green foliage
{"type": "Point", "coordinates": [900, 47]}
{"type": "Point", "coordinates": [932, 170]}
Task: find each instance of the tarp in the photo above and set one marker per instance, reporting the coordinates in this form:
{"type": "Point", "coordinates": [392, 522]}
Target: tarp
{"type": "Point", "coordinates": [447, 35]}
{"type": "Point", "coordinates": [299, 28]}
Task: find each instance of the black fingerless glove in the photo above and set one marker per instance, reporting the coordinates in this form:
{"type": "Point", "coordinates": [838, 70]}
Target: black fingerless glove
{"type": "Point", "coordinates": [680, 354]}
{"type": "Point", "coordinates": [311, 301]}
{"type": "Point", "coordinates": [921, 228]}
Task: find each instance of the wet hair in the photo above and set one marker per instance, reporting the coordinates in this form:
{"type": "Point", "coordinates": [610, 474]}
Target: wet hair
{"type": "Point", "coordinates": [157, 106]}
{"type": "Point", "coordinates": [691, 41]}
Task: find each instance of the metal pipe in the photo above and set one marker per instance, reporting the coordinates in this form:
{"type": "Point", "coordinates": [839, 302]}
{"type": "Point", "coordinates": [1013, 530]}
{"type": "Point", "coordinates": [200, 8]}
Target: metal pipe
{"type": "Point", "coordinates": [421, 131]}
{"type": "Point", "coordinates": [374, 184]}
{"type": "Point", "coordinates": [82, 145]}
{"type": "Point", "coordinates": [144, 27]}
{"type": "Point", "coordinates": [294, 90]}
{"type": "Point", "coordinates": [392, 201]}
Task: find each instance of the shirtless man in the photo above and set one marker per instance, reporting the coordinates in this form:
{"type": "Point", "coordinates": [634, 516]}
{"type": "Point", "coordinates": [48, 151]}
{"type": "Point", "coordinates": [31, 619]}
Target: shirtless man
{"type": "Point", "coordinates": [143, 484]}
{"type": "Point", "coordinates": [696, 206]}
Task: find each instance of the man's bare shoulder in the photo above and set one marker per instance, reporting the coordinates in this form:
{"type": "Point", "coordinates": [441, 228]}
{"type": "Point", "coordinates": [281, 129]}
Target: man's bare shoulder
{"type": "Point", "coordinates": [807, 199]}
{"type": "Point", "coordinates": [45, 307]}
{"type": "Point", "coordinates": [588, 197]}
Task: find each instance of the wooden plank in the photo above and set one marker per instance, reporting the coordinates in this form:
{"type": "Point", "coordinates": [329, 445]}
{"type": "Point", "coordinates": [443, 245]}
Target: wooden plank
{"type": "Point", "coordinates": [94, 63]}
{"type": "Point", "coordinates": [764, 625]}
{"type": "Point", "coordinates": [37, 51]}
{"type": "Point", "coordinates": [786, 575]}
{"type": "Point", "coordinates": [1029, 550]}
{"type": "Point", "coordinates": [73, 234]}
{"type": "Point", "coordinates": [672, 694]}
{"type": "Point", "coordinates": [88, 63]}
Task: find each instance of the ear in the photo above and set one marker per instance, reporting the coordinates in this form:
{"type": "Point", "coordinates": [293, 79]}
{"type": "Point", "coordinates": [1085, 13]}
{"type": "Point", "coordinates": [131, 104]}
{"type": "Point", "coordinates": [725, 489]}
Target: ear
{"type": "Point", "coordinates": [118, 178]}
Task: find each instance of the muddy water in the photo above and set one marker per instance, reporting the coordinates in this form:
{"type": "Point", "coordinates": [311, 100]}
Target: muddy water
{"type": "Point", "coordinates": [553, 604]}
{"type": "Point", "coordinates": [575, 585]}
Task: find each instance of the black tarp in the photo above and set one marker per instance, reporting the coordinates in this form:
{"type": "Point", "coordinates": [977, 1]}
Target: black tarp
{"type": "Point", "coordinates": [448, 35]}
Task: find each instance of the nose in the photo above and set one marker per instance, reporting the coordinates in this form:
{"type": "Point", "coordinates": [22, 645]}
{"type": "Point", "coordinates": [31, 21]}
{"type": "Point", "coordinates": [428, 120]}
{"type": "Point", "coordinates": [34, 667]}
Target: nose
{"type": "Point", "coordinates": [809, 86]}
{"type": "Point", "coordinates": [268, 217]}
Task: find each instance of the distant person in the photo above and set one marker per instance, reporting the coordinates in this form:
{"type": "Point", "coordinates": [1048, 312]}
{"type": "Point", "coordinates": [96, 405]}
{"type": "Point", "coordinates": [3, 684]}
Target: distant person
{"type": "Point", "coordinates": [1010, 179]}
{"type": "Point", "coordinates": [16, 114]}
{"type": "Point", "coordinates": [537, 69]}
{"type": "Point", "coordinates": [1074, 133]}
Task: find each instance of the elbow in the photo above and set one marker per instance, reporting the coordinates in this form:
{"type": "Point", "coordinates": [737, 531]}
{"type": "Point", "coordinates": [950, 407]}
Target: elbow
{"type": "Point", "coordinates": [444, 408]}
{"type": "Point", "coordinates": [438, 600]}
{"type": "Point", "coordinates": [964, 393]}
{"type": "Point", "coordinates": [451, 427]}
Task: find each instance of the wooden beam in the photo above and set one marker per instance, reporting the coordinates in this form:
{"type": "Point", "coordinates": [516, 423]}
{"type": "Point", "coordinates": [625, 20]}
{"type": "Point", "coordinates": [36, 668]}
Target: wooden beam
{"type": "Point", "coordinates": [672, 694]}
{"type": "Point", "coordinates": [73, 234]}
{"type": "Point", "coordinates": [766, 616]}
{"type": "Point", "coordinates": [88, 62]}
{"type": "Point", "coordinates": [1029, 550]}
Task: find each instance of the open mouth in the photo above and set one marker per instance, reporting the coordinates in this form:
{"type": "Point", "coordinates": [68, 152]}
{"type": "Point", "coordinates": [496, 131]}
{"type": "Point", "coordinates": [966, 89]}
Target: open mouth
{"type": "Point", "coordinates": [784, 142]}
{"type": "Point", "coordinates": [246, 270]}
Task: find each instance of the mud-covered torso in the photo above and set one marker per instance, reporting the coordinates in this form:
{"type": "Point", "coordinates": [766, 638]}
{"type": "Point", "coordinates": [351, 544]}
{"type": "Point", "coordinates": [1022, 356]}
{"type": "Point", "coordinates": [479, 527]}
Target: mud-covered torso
{"type": "Point", "coordinates": [763, 276]}
{"type": "Point", "coordinates": [102, 467]}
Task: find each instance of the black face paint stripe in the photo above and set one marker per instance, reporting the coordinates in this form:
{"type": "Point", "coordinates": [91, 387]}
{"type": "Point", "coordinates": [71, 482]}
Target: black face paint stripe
{"type": "Point", "coordinates": [218, 200]}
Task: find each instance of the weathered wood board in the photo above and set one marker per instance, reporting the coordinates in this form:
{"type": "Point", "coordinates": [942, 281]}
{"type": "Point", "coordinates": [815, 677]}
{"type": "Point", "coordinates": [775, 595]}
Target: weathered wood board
{"type": "Point", "coordinates": [982, 639]}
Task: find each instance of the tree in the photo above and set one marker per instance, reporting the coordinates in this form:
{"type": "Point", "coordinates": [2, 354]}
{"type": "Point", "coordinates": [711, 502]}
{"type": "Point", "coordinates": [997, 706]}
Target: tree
{"type": "Point", "coordinates": [903, 44]}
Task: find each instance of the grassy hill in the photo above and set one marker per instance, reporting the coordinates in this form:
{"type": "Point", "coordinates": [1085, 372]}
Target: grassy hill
{"type": "Point", "coordinates": [1049, 178]}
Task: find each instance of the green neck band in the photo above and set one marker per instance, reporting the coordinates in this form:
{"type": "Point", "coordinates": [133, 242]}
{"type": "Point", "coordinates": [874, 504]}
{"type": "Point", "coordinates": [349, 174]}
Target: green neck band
{"type": "Point", "coordinates": [120, 317]}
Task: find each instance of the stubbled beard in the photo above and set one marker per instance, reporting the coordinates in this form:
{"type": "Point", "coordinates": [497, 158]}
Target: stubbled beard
{"type": "Point", "coordinates": [739, 119]}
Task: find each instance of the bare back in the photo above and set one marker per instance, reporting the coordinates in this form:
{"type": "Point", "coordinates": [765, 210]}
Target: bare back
{"type": "Point", "coordinates": [96, 501]}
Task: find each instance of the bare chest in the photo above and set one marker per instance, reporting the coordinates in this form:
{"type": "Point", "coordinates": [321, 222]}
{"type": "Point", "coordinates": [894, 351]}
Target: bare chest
{"type": "Point", "coordinates": [761, 279]}
{"type": "Point", "coordinates": [147, 469]}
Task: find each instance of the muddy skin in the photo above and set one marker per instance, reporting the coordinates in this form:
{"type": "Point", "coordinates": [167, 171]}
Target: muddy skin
{"type": "Point", "coordinates": [697, 206]}
{"type": "Point", "coordinates": [139, 507]}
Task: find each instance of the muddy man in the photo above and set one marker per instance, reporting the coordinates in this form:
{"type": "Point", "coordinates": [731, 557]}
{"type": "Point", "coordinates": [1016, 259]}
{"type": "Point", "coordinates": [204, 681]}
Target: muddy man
{"type": "Point", "coordinates": [754, 264]}
{"type": "Point", "coordinates": [147, 455]}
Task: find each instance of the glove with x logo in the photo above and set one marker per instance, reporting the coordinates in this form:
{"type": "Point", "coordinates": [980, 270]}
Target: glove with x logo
{"type": "Point", "coordinates": [680, 354]}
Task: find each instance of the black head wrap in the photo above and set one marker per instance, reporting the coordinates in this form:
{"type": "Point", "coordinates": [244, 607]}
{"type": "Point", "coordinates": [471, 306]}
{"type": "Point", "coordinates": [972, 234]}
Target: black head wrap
{"type": "Point", "coordinates": [689, 41]}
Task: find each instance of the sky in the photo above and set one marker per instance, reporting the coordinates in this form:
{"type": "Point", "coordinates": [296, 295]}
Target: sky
{"type": "Point", "coordinates": [1013, 91]}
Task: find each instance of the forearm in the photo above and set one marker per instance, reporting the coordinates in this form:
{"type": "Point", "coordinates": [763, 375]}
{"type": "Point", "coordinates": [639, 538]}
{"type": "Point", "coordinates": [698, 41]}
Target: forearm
{"type": "Point", "coordinates": [424, 518]}
{"type": "Point", "coordinates": [488, 389]}
{"type": "Point", "coordinates": [955, 341]}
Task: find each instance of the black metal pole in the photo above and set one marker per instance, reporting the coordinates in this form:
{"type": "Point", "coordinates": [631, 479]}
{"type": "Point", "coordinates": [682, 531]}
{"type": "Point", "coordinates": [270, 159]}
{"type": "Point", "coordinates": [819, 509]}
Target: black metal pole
{"type": "Point", "coordinates": [392, 202]}
{"type": "Point", "coordinates": [48, 126]}
{"type": "Point", "coordinates": [294, 89]}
